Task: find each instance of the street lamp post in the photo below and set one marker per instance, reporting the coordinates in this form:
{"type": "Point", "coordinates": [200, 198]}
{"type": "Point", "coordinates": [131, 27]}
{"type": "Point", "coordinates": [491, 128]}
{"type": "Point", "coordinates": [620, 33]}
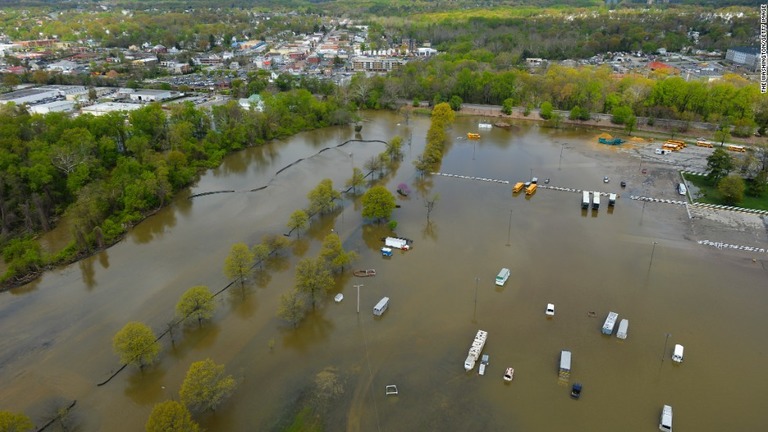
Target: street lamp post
{"type": "Point", "coordinates": [664, 354]}
{"type": "Point", "coordinates": [509, 229]}
{"type": "Point", "coordinates": [477, 279]}
{"type": "Point", "coordinates": [358, 296]}
{"type": "Point", "coordinates": [560, 163]}
{"type": "Point", "coordinates": [651, 261]}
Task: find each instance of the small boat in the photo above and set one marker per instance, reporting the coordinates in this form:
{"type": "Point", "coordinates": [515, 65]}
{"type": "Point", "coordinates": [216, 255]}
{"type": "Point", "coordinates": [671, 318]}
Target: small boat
{"type": "Point", "coordinates": [364, 273]}
{"type": "Point", "coordinates": [339, 297]}
{"type": "Point", "coordinates": [509, 374]}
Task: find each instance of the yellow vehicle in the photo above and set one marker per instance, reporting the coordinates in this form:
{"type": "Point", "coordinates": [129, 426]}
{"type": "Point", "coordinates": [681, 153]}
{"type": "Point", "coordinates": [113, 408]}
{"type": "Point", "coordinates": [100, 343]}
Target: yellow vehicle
{"type": "Point", "coordinates": [705, 143]}
{"type": "Point", "coordinates": [671, 146]}
{"type": "Point", "coordinates": [471, 135]}
{"type": "Point", "coordinates": [518, 187]}
{"type": "Point", "coordinates": [530, 189]}
{"type": "Point", "coordinates": [680, 143]}
{"type": "Point", "coordinates": [736, 148]}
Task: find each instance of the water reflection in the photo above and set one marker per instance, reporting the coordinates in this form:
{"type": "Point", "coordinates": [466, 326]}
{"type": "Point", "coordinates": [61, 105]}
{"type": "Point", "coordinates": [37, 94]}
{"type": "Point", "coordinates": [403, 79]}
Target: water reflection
{"type": "Point", "coordinates": [144, 386]}
{"type": "Point", "coordinates": [145, 233]}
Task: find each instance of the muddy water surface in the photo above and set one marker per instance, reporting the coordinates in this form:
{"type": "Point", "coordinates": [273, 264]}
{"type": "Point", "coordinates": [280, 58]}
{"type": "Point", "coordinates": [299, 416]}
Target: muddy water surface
{"type": "Point", "coordinates": [57, 331]}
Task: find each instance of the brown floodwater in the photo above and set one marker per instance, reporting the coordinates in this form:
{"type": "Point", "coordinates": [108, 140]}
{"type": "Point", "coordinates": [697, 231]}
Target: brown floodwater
{"type": "Point", "coordinates": [57, 331]}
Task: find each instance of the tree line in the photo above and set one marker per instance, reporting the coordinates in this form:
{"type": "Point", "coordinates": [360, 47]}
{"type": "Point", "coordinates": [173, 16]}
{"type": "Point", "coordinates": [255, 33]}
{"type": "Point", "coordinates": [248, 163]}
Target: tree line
{"type": "Point", "coordinates": [107, 173]}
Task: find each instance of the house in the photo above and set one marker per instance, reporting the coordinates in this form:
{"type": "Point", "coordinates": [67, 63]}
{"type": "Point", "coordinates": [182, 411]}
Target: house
{"type": "Point", "coordinates": [253, 102]}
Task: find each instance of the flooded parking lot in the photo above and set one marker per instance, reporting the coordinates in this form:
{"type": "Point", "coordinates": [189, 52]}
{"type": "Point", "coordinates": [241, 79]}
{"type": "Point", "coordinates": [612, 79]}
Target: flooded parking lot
{"type": "Point", "coordinates": [639, 260]}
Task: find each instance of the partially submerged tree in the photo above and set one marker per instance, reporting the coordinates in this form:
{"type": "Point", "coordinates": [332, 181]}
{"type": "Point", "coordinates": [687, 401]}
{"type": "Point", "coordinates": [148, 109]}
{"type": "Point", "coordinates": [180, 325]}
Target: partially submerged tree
{"type": "Point", "coordinates": [334, 254]}
{"type": "Point", "coordinates": [206, 386]}
{"type": "Point", "coordinates": [378, 203]}
{"type": "Point", "coordinates": [357, 180]}
{"type": "Point", "coordinates": [238, 263]}
{"type": "Point", "coordinates": [171, 416]}
{"type": "Point", "coordinates": [196, 303]}
{"type": "Point", "coordinates": [136, 344]}
{"type": "Point", "coordinates": [322, 197]}
{"type": "Point", "coordinates": [291, 308]}
{"type": "Point", "coordinates": [313, 278]}
{"type": "Point", "coordinates": [260, 253]}
{"type": "Point", "coordinates": [14, 422]}
{"type": "Point", "coordinates": [298, 221]}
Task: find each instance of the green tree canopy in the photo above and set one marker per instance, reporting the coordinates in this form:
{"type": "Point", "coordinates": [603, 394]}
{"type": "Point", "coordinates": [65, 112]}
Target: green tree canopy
{"type": "Point", "coordinates": [378, 203]}
{"type": "Point", "coordinates": [322, 197]}
{"type": "Point", "coordinates": [238, 263]}
{"type": "Point", "coordinates": [357, 180]}
{"type": "Point", "coordinates": [313, 278]}
{"type": "Point", "coordinates": [546, 110]}
{"type": "Point", "coordinates": [291, 308]}
{"type": "Point", "coordinates": [206, 386]}
{"type": "Point", "coordinates": [298, 221]}
{"type": "Point", "coordinates": [731, 188]}
{"type": "Point", "coordinates": [136, 344]}
{"type": "Point", "coordinates": [719, 164]}
{"type": "Point", "coordinates": [260, 253]}
{"type": "Point", "coordinates": [197, 302]}
{"type": "Point", "coordinates": [334, 254]}
{"type": "Point", "coordinates": [14, 422]}
{"type": "Point", "coordinates": [171, 416]}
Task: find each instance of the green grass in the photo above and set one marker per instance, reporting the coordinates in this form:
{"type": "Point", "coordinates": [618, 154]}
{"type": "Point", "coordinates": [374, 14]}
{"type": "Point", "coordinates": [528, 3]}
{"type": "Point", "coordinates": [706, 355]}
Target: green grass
{"type": "Point", "coordinates": [305, 421]}
{"type": "Point", "coordinates": [710, 194]}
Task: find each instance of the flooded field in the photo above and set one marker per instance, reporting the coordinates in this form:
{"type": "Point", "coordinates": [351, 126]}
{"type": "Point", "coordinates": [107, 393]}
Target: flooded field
{"type": "Point", "coordinates": [638, 260]}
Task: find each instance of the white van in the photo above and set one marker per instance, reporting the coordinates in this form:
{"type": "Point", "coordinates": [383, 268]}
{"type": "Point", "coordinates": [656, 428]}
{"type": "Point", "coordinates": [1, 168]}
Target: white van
{"type": "Point", "coordinates": [677, 355]}
{"type": "Point", "coordinates": [502, 277]}
{"type": "Point", "coordinates": [623, 327]}
{"type": "Point", "coordinates": [665, 424]}
{"type": "Point", "coordinates": [381, 306]}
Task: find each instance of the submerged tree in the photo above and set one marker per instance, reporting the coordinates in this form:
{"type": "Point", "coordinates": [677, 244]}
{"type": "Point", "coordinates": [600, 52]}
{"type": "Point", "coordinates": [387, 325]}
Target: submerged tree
{"type": "Point", "coordinates": [238, 263]}
{"type": "Point", "coordinates": [313, 278]}
{"type": "Point", "coordinates": [378, 203]}
{"type": "Point", "coordinates": [334, 254]}
{"type": "Point", "coordinates": [206, 386]}
{"type": "Point", "coordinates": [197, 302]}
{"type": "Point", "coordinates": [291, 308]}
{"type": "Point", "coordinates": [171, 416]}
{"type": "Point", "coordinates": [298, 221]}
{"type": "Point", "coordinates": [357, 180]}
{"type": "Point", "coordinates": [322, 197]}
{"type": "Point", "coordinates": [136, 344]}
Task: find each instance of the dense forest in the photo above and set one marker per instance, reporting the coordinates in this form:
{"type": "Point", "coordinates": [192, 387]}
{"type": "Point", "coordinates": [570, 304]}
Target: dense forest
{"type": "Point", "coordinates": [107, 173]}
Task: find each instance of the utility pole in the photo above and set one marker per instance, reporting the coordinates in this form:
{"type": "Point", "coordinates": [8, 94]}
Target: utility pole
{"type": "Point", "coordinates": [509, 229]}
{"type": "Point", "coordinates": [358, 296]}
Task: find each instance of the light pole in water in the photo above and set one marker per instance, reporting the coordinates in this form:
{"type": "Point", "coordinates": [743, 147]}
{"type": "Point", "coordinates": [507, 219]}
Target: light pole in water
{"type": "Point", "coordinates": [477, 279]}
{"type": "Point", "coordinates": [358, 296]}
{"type": "Point", "coordinates": [559, 164]}
{"type": "Point", "coordinates": [509, 230]}
{"type": "Point", "coordinates": [664, 354]}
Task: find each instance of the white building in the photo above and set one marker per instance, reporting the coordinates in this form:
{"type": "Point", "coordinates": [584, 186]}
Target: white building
{"type": "Point", "coordinates": [108, 107]}
{"type": "Point", "coordinates": [149, 95]}
{"type": "Point", "coordinates": [749, 57]}
{"type": "Point", "coordinates": [58, 106]}
{"type": "Point", "coordinates": [29, 96]}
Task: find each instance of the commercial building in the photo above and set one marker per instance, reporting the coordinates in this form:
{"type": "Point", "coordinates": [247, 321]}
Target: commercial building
{"type": "Point", "coordinates": [749, 57]}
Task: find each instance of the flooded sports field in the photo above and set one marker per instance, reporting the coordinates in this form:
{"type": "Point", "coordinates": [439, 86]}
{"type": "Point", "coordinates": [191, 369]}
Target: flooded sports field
{"type": "Point", "coordinates": [639, 260]}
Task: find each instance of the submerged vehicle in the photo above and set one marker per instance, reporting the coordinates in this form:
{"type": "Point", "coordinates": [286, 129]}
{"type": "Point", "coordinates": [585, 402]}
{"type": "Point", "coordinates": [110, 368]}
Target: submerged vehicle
{"type": "Point", "coordinates": [509, 374]}
{"type": "Point", "coordinates": [576, 391]}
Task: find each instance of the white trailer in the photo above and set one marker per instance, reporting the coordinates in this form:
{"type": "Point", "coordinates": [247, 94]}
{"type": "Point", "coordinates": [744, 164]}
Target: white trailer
{"type": "Point", "coordinates": [595, 200]}
{"type": "Point", "coordinates": [621, 333]}
{"type": "Point", "coordinates": [585, 199]}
